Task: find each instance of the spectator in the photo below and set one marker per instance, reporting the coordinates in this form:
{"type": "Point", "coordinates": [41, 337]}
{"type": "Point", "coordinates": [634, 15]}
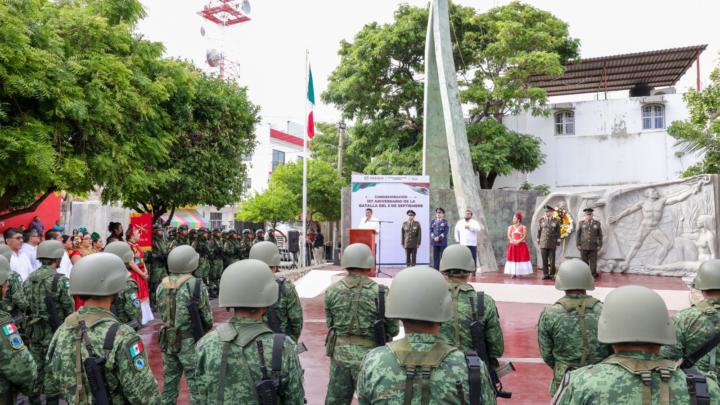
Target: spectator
{"type": "Point", "coordinates": [74, 233]}
{"type": "Point", "coordinates": [19, 261]}
{"type": "Point", "coordinates": [82, 247]}
{"type": "Point", "coordinates": [97, 242]}
{"type": "Point", "coordinates": [65, 263]}
{"type": "Point", "coordinates": [58, 227]}
{"type": "Point", "coordinates": [319, 247]}
{"type": "Point", "coordinates": [466, 234]}
{"type": "Point", "coordinates": [116, 229]}
{"type": "Point", "coordinates": [38, 226]}
{"type": "Point", "coordinates": [32, 240]}
{"type": "Point", "coordinates": [22, 228]}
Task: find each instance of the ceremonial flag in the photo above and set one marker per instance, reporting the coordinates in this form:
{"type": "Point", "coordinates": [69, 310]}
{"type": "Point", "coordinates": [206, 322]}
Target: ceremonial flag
{"type": "Point", "coordinates": [311, 105]}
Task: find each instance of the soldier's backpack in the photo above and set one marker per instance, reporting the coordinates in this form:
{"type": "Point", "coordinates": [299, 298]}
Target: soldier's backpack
{"type": "Point", "coordinates": [169, 337]}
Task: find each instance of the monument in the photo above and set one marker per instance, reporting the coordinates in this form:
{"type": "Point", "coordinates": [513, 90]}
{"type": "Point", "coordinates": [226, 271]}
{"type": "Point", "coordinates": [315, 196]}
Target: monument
{"type": "Point", "coordinates": [664, 228]}
{"type": "Point", "coordinates": [445, 144]}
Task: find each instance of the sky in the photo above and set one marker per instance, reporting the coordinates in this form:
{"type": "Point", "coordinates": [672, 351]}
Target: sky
{"type": "Point", "coordinates": [271, 48]}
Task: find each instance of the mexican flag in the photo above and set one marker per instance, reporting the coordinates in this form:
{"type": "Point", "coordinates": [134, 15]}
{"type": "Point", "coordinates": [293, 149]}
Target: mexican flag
{"type": "Point", "coordinates": [9, 329]}
{"type": "Point", "coordinates": [136, 349]}
{"type": "Point", "coordinates": [311, 105]}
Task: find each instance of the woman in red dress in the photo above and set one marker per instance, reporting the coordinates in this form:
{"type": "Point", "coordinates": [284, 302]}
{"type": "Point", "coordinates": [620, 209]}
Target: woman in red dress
{"type": "Point", "coordinates": [83, 247]}
{"type": "Point", "coordinates": [518, 256]}
{"type": "Point", "coordinates": [140, 274]}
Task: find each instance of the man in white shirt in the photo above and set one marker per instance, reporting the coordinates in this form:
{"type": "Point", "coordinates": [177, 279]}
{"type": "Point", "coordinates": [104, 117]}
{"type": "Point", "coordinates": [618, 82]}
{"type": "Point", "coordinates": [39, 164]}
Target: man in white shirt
{"type": "Point", "coordinates": [65, 263]}
{"type": "Point", "coordinates": [32, 240]}
{"type": "Point", "coordinates": [370, 222]}
{"type": "Point", "coordinates": [466, 234]}
{"type": "Point", "coordinates": [19, 261]}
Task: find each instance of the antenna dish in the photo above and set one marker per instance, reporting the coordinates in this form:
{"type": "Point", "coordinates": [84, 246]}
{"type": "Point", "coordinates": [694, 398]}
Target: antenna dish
{"type": "Point", "coordinates": [213, 58]}
{"type": "Point", "coordinates": [246, 6]}
{"type": "Point", "coordinates": [202, 31]}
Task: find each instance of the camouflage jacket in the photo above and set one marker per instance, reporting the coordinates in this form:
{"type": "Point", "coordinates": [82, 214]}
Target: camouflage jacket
{"type": "Point", "coordinates": [258, 239]}
{"type": "Point", "coordinates": [340, 315]}
{"type": "Point", "coordinates": [36, 287]}
{"type": "Point", "coordinates": [216, 247]}
{"type": "Point", "coordinates": [238, 390]}
{"type": "Point", "coordinates": [271, 238]}
{"type": "Point", "coordinates": [289, 311]}
{"type": "Point", "coordinates": [179, 241]}
{"type": "Point", "coordinates": [231, 250]}
{"type": "Point", "coordinates": [159, 249]}
{"type": "Point", "coordinates": [692, 327]}
{"type": "Point", "coordinates": [127, 371]}
{"type": "Point", "coordinates": [17, 367]}
{"type": "Point", "coordinates": [183, 296]}
{"type": "Point", "coordinates": [464, 317]}
{"type": "Point", "coordinates": [382, 379]}
{"type": "Point", "coordinates": [245, 245]}
{"type": "Point", "coordinates": [14, 302]}
{"type": "Point", "coordinates": [612, 383]}
{"type": "Point", "coordinates": [127, 303]}
{"type": "Point", "coordinates": [560, 338]}
{"type": "Point", "coordinates": [203, 248]}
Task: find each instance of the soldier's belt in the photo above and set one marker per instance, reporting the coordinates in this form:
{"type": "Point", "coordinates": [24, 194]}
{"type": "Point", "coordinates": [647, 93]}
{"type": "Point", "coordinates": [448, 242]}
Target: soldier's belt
{"type": "Point", "coordinates": [355, 340]}
{"type": "Point", "coordinates": [505, 369]}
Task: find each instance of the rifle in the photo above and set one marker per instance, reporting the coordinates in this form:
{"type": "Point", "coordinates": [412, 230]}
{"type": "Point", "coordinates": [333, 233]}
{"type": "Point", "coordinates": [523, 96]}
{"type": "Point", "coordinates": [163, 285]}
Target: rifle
{"type": "Point", "coordinates": [380, 321]}
{"type": "Point", "coordinates": [19, 319]}
{"type": "Point", "coordinates": [194, 309]}
{"type": "Point", "coordinates": [93, 365]}
{"type": "Point", "coordinates": [53, 317]}
{"type": "Point", "coordinates": [135, 324]}
{"type": "Point", "coordinates": [477, 329]}
{"type": "Point", "coordinates": [266, 387]}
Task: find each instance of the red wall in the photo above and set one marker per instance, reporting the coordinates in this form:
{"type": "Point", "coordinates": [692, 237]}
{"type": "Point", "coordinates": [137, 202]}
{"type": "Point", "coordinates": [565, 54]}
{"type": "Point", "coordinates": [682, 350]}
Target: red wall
{"type": "Point", "coordinates": [49, 212]}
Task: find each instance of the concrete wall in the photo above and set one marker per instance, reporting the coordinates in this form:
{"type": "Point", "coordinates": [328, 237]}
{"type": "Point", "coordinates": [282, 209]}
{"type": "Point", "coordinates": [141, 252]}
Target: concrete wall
{"type": "Point", "coordinates": [95, 216]}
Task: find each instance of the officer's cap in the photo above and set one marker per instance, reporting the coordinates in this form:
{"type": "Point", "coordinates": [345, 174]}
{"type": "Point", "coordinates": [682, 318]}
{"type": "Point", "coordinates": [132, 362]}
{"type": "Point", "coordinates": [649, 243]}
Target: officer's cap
{"type": "Point", "coordinates": [588, 210]}
{"type": "Point", "coordinates": [549, 208]}
{"type": "Point", "coordinates": [439, 209]}
{"type": "Point", "coordinates": [411, 212]}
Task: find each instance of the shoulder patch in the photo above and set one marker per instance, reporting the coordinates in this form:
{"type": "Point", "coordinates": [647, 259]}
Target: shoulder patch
{"type": "Point", "coordinates": [15, 341]}
{"type": "Point", "coordinates": [9, 329]}
{"type": "Point", "coordinates": [136, 303]}
{"type": "Point", "coordinates": [138, 356]}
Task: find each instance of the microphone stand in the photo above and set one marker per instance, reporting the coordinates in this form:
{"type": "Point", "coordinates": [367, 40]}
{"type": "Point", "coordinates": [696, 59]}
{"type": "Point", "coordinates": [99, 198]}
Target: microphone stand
{"type": "Point", "coordinates": [378, 269]}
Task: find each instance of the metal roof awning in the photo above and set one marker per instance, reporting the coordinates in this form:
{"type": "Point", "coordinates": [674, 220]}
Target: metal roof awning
{"type": "Point", "coordinates": [620, 72]}
{"type": "Point", "coordinates": [188, 217]}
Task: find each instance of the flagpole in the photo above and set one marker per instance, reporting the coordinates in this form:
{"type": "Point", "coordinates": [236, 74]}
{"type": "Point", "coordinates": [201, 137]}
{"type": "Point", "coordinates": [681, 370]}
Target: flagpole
{"type": "Point", "coordinates": [303, 248]}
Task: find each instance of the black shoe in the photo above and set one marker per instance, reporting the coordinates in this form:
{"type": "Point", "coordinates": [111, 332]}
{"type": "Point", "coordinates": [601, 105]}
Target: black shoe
{"type": "Point", "coordinates": [552, 278]}
{"type": "Point", "coordinates": [545, 277]}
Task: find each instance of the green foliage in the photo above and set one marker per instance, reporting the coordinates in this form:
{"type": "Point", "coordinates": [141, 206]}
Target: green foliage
{"type": "Point", "coordinates": [325, 147]}
{"type": "Point", "coordinates": [542, 187]}
{"type": "Point", "coordinates": [497, 151]}
{"type": "Point", "coordinates": [274, 205]}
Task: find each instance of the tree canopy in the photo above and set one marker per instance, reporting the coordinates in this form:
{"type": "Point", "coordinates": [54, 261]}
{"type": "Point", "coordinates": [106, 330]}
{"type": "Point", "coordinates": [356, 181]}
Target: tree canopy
{"type": "Point", "coordinates": [273, 206]}
{"type": "Point", "coordinates": [325, 147]}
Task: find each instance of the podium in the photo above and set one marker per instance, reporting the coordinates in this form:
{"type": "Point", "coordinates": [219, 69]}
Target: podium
{"type": "Point", "coordinates": [366, 237]}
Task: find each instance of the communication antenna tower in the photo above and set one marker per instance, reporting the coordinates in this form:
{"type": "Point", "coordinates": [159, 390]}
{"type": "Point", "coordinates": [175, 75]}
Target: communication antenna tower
{"type": "Point", "coordinates": [224, 13]}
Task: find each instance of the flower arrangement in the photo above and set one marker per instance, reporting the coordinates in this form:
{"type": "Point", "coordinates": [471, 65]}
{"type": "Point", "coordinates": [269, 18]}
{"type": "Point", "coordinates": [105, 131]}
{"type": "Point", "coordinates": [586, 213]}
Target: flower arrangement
{"type": "Point", "coordinates": [567, 224]}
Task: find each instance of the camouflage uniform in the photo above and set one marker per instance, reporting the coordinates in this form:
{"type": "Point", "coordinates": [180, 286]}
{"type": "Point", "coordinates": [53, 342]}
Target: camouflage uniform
{"type": "Point", "coordinates": [382, 380]}
{"type": "Point", "coordinates": [127, 303]}
{"type": "Point", "coordinates": [37, 326]}
{"type": "Point", "coordinates": [613, 384]}
{"type": "Point", "coordinates": [127, 371]}
{"type": "Point", "coordinates": [231, 250]}
{"type": "Point", "coordinates": [271, 238]}
{"type": "Point", "coordinates": [201, 246]}
{"type": "Point", "coordinates": [464, 317]}
{"type": "Point", "coordinates": [175, 362]}
{"type": "Point", "coordinates": [354, 330]}
{"type": "Point", "coordinates": [216, 247]}
{"type": "Point", "coordinates": [238, 337]}
{"type": "Point", "coordinates": [692, 328]}
{"type": "Point", "coordinates": [179, 240]}
{"type": "Point", "coordinates": [560, 336]}
{"type": "Point", "coordinates": [17, 367]}
{"type": "Point", "coordinates": [245, 245]}
{"type": "Point", "coordinates": [158, 268]}
{"type": "Point", "coordinates": [15, 302]}
{"type": "Point", "coordinates": [289, 311]}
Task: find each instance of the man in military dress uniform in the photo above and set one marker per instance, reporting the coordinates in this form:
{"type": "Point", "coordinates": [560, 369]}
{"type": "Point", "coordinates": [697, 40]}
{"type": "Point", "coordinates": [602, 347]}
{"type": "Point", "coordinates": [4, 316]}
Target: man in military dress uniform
{"type": "Point", "coordinates": [229, 358]}
{"type": "Point", "coordinates": [548, 239]}
{"type": "Point", "coordinates": [158, 262]}
{"type": "Point", "coordinates": [351, 309]}
{"type": "Point", "coordinates": [439, 229]}
{"type": "Point", "coordinates": [422, 364]}
{"type": "Point", "coordinates": [567, 330]}
{"type": "Point", "coordinates": [411, 238]}
{"type": "Point", "coordinates": [589, 240]}
{"type": "Point", "coordinates": [182, 237]}
{"type": "Point", "coordinates": [636, 323]}
{"type": "Point", "coordinates": [97, 279]}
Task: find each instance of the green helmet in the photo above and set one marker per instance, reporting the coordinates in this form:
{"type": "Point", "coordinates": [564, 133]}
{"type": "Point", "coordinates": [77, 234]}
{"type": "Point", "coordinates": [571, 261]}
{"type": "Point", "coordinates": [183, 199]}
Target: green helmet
{"type": "Point", "coordinates": [708, 275]}
{"type": "Point", "coordinates": [246, 232]}
{"type": "Point", "coordinates": [193, 232]}
{"type": "Point", "coordinates": [5, 271]}
{"type": "Point", "coordinates": [101, 274]}
{"type": "Point", "coordinates": [183, 259]}
{"type": "Point", "coordinates": [419, 293]}
{"type": "Point", "coordinates": [574, 274]}
{"type": "Point", "coordinates": [266, 252]}
{"type": "Point", "coordinates": [50, 249]}
{"type": "Point", "coordinates": [457, 260]}
{"type": "Point", "coordinates": [121, 250]}
{"type": "Point", "coordinates": [157, 227]}
{"type": "Point", "coordinates": [181, 228]}
{"type": "Point", "coordinates": [259, 232]}
{"type": "Point", "coordinates": [202, 230]}
{"type": "Point", "coordinates": [357, 256]}
{"type": "Point", "coordinates": [249, 284]}
{"type": "Point", "coordinates": [634, 314]}
{"type": "Point", "coordinates": [5, 251]}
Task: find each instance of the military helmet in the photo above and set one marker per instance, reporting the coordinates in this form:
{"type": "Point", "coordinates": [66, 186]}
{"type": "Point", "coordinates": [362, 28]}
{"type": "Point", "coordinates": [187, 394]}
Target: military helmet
{"type": "Point", "coordinates": [574, 274]}
{"type": "Point", "coordinates": [357, 256]}
{"type": "Point", "coordinates": [634, 314]}
{"type": "Point", "coordinates": [121, 250]}
{"type": "Point", "coordinates": [182, 228]}
{"type": "Point", "coordinates": [233, 231]}
{"type": "Point", "coordinates": [249, 284]}
{"type": "Point", "coordinates": [157, 227]}
{"type": "Point", "coordinates": [202, 230]}
{"type": "Point", "coordinates": [224, 234]}
{"type": "Point", "coordinates": [50, 249]}
{"type": "Point", "coordinates": [421, 294]}
{"type": "Point", "coordinates": [5, 271]}
{"type": "Point", "coordinates": [457, 261]}
{"type": "Point", "coordinates": [266, 252]}
{"type": "Point", "coordinates": [6, 251]}
{"type": "Point", "coordinates": [193, 232]}
{"type": "Point", "coordinates": [246, 232]}
{"type": "Point", "coordinates": [708, 275]}
{"type": "Point", "coordinates": [183, 259]}
{"type": "Point", "coordinates": [259, 232]}
{"type": "Point", "coordinates": [216, 230]}
{"type": "Point", "coordinates": [101, 274]}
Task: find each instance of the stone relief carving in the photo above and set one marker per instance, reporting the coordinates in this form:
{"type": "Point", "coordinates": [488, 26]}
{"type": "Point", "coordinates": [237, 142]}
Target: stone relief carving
{"type": "Point", "coordinates": [665, 228]}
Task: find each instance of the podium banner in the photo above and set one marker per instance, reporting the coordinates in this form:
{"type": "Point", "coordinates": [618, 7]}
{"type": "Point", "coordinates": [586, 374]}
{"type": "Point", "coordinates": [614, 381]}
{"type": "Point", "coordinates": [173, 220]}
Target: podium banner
{"type": "Point", "coordinates": [390, 197]}
{"type": "Point", "coordinates": [143, 223]}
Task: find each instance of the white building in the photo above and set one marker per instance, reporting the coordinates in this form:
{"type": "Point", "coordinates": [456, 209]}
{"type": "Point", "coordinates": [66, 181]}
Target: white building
{"type": "Point", "coordinates": [277, 144]}
{"type": "Point", "coordinates": [615, 141]}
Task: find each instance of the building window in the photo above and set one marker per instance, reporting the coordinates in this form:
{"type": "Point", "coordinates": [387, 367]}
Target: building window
{"type": "Point", "coordinates": [248, 183]}
{"type": "Point", "coordinates": [246, 158]}
{"type": "Point", "coordinates": [300, 158]}
{"type": "Point", "coordinates": [216, 220]}
{"type": "Point", "coordinates": [278, 159]}
{"type": "Point", "coordinates": [653, 117]}
{"type": "Point", "coordinates": [565, 123]}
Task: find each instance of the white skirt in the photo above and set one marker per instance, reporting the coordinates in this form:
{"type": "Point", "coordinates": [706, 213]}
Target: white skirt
{"type": "Point", "coordinates": [147, 314]}
{"type": "Point", "coordinates": [518, 268]}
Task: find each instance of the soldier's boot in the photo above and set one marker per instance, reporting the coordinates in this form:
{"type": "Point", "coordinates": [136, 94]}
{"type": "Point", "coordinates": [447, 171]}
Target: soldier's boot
{"type": "Point", "coordinates": [35, 400]}
{"type": "Point", "coordinates": [53, 400]}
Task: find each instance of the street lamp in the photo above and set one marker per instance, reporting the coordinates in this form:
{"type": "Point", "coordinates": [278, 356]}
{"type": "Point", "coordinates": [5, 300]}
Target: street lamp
{"type": "Point", "coordinates": [341, 128]}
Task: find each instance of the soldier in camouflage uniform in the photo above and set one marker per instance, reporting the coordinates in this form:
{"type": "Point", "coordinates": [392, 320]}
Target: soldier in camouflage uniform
{"type": "Point", "coordinates": [217, 250]}
{"type": "Point", "coordinates": [181, 237]}
{"type": "Point", "coordinates": [97, 279]}
{"type": "Point", "coordinates": [14, 301]}
{"type": "Point", "coordinates": [350, 313]}
{"type": "Point", "coordinates": [193, 235]}
{"type": "Point", "coordinates": [232, 249]}
{"type": "Point", "coordinates": [421, 368]}
{"type": "Point", "coordinates": [636, 323]}
{"type": "Point", "coordinates": [201, 246]}
{"type": "Point", "coordinates": [288, 309]}
{"type": "Point", "coordinates": [127, 303]}
{"type": "Point", "coordinates": [174, 296]}
{"type": "Point", "coordinates": [567, 330]}
{"type": "Point", "coordinates": [457, 264]}
{"type": "Point", "coordinates": [259, 236]}
{"type": "Point", "coordinates": [17, 367]}
{"type": "Point", "coordinates": [157, 262]}
{"type": "Point", "coordinates": [271, 236]}
{"type": "Point", "coordinates": [695, 326]}
{"type": "Point", "coordinates": [43, 282]}
{"type": "Point", "coordinates": [228, 359]}
{"type": "Point", "coordinates": [246, 243]}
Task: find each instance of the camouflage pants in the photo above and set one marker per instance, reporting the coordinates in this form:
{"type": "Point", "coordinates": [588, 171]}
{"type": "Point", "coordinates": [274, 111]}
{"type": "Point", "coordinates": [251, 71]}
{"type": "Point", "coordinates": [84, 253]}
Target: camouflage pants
{"type": "Point", "coordinates": [343, 380]}
{"type": "Point", "coordinates": [157, 274]}
{"type": "Point", "coordinates": [38, 351]}
{"type": "Point", "coordinates": [173, 367]}
{"type": "Point", "coordinates": [216, 268]}
{"type": "Point", "coordinates": [203, 269]}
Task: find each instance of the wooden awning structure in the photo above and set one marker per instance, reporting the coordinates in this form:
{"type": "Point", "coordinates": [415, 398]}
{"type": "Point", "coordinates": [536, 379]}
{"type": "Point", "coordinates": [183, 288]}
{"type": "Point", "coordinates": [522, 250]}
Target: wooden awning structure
{"type": "Point", "coordinates": [621, 72]}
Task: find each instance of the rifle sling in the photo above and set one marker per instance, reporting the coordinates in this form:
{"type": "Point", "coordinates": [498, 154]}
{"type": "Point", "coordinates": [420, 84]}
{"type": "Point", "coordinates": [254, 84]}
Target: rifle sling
{"type": "Point", "coordinates": [689, 362]}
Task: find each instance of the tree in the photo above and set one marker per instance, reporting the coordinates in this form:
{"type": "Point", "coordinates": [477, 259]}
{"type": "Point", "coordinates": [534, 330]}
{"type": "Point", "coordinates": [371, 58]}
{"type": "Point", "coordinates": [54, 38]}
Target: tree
{"type": "Point", "coordinates": [274, 205]}
{"type": "Point", "coordinates": [325, 147]}
{"type": "Point", "coordinates": [700, 133]}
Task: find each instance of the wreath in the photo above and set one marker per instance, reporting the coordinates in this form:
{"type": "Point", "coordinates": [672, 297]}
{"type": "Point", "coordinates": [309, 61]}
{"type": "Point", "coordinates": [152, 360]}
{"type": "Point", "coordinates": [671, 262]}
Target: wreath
{"type": "Point", "coordinates": [567, 225]}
